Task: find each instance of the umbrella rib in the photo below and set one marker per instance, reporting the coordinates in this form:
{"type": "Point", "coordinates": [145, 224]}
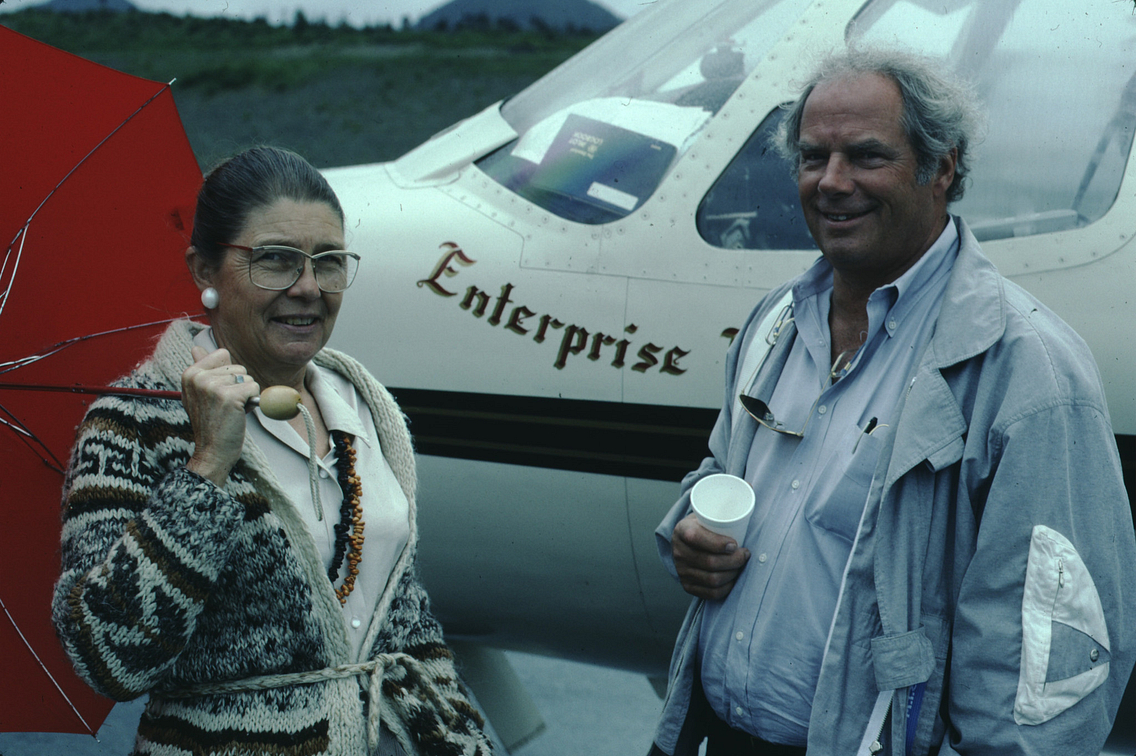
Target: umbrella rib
{"type": "Point", "coordinates": [61, 345]}
{"type": "Point", "coordinates": [25, 435]}
{"type": "Point", "coordinates": [22, 236]}
{"type": "Point", "coordinates": [23, 230]}
{"type": "Point", "coordinates": [32, 441]}
{"type": "Point", "coordinates": [45, 669]}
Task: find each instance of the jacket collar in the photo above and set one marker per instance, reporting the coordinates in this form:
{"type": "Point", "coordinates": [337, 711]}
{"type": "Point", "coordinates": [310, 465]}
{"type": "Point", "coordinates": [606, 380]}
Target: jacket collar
{"type": "Point", "coordinates": [972, 317]}
{"type": "Point", "coordinates": [931, 430]}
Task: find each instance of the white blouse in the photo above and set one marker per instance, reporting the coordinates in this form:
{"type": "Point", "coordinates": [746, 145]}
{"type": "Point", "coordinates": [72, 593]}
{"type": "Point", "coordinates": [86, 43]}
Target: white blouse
{"type": "Point", "coordinates": [386, 512]}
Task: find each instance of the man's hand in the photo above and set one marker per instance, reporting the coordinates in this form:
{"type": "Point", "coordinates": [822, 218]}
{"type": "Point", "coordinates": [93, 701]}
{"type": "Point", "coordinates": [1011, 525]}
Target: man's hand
{"type": "Point", "coordinates": [707, 563]}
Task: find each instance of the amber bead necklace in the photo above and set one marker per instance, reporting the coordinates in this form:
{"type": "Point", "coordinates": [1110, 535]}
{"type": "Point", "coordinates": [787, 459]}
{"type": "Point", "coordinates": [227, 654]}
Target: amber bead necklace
{"type": "Point", "coordinates": [350, 518]}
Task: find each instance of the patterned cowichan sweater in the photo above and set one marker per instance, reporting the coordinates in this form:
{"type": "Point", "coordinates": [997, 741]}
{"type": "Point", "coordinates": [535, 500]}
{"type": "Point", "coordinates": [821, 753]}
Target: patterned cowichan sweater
{"type": "Point", "coordinates": [170, 583]}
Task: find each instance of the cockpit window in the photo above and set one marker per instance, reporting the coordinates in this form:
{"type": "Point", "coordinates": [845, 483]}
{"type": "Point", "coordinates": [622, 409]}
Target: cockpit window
{"type": "Point", "coordinates": [1061, 112]}
{"type": "Point", "coordinates": [600, 132]}
{"type": "Point", "coordinates": [754, 203]}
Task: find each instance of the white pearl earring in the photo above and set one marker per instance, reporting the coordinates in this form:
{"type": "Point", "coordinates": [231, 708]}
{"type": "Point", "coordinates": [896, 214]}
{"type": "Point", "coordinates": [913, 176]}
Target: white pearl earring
{"type": "Point", "coordinates": [210, 298]}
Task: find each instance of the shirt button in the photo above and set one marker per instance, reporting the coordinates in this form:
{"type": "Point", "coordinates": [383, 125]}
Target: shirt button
{"type": "Point", "coordinates": [739, 635]}
{"type": "Point", "coordinates": [356, 623]}
{"type": "Point", "coordinates": [822, 409]}
{"type": "Point", "coordinates": [892, 325]}
{"type": "Point", "coordinates": [1093, 655]}
{"type": "Point", "coordinates": [762, 557]}
{"type": "Point", "coordinates": [323, 473]}
{"type": "Point", "coordinates": [740, 711]}
{"type": "Point", "coordinates": [796, 484]}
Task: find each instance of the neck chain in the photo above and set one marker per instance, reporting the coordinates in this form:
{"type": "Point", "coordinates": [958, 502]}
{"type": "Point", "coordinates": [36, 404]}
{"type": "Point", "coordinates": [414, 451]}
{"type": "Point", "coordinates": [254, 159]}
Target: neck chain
{"type": "Point", "coordinates": [350, 516]}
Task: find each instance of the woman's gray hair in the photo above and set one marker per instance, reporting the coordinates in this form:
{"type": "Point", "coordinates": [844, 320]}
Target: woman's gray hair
{"type": "Point", "coordinates": [940, 112]}
{"type": "Point", "coordinates": [248, 181]}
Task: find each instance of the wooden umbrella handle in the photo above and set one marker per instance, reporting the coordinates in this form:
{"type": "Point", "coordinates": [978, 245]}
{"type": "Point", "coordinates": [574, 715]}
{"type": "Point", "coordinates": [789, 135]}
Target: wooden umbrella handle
{"type": "Point", "coordinates": [278, 402]}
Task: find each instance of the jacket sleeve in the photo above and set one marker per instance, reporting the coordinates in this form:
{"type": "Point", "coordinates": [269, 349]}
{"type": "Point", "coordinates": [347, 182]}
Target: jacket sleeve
{"type": "Point", "coordinates": [433, 710]}
{"type": "Point", "coordinates": [143, 542]}
{"type": "Point", "coordinates": [1045, 624]}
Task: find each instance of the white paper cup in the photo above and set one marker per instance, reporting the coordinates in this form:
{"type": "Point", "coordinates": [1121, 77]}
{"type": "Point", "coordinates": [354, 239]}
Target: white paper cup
{"type": "Point", "coordinates": [723, 504]}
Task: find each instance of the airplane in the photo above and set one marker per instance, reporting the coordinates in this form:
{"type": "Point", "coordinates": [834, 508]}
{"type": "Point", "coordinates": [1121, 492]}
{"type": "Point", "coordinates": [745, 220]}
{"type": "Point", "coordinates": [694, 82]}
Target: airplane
{"type": "Point", "coordinates": [550, 285]}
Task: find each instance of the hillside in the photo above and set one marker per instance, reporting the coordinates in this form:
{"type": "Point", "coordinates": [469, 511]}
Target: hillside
{"type": "Point", "coordinates": [83, 6]}
{"type": "Point", "coordinates": [337, 95]}
{"type": "Point", "coordinates": [559, 15]}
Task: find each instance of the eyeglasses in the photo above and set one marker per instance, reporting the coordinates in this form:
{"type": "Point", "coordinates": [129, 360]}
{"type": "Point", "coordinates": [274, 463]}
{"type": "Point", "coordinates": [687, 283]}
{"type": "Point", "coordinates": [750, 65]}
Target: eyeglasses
{"type": "Point", "coordinates": [760, 411]}
{"type": "Point", "coordinates": [276, 267]}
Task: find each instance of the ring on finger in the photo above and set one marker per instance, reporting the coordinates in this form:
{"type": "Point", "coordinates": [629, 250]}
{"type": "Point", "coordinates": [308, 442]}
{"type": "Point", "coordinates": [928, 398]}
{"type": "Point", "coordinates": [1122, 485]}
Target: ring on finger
{"type": "Point", "coordinates": [239, 378]}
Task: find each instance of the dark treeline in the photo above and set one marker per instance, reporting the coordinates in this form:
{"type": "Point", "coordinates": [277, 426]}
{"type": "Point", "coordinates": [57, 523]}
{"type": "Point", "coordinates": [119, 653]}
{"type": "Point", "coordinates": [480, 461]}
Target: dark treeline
{"type": "Point", "coordinates": [338, 95]}
{"type": "Point", "coordinates": [480, 22]}
{"type": "Point", "coordinates": [102, 31]}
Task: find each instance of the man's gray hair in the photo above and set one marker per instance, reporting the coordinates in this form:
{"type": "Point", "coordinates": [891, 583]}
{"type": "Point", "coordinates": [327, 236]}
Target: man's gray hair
{"type": "Point", "coordinates": [940, 113]}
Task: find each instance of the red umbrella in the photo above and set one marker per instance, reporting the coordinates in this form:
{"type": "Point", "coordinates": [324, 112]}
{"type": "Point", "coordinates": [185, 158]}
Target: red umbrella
{"type": "Point", "coordinates": [97, 187]}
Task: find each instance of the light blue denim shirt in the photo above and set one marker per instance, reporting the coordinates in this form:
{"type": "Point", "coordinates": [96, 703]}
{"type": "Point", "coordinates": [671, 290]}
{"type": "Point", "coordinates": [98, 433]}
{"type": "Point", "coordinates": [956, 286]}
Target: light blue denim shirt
{"type": "Point", "coordinates": [761, 648]}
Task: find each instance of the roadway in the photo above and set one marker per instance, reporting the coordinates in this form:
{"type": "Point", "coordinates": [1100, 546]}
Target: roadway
{"type": "Point", "coordinates": [588, 711]}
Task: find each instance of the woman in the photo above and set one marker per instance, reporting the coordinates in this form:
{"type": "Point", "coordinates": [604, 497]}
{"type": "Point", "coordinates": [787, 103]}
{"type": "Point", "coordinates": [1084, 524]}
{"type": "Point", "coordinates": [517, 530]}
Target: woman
{"type": "Point", "coordinates": [201, 565]}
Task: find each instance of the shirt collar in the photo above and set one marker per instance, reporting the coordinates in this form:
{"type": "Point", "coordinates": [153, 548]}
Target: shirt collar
{"type": "Point", "coordinates": [818, 278]}
{"type": "Point", "coordinates": [926, 267]}
{"type": "Point", "coordinates": [337, 402]}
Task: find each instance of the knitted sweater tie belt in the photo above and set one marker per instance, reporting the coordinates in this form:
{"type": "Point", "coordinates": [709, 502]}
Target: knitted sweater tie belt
{"type": "Point", "coordinates": [407, 673]}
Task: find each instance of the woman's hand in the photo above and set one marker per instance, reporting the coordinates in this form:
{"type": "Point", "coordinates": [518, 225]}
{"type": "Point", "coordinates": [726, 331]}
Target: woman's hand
{"type": "Point", "coordinates": [215, 398]}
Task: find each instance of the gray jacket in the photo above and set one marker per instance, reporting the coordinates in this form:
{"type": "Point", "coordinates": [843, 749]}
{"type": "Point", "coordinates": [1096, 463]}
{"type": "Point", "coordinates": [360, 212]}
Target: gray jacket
{"type": "Point", "coordinates": [995, 562]}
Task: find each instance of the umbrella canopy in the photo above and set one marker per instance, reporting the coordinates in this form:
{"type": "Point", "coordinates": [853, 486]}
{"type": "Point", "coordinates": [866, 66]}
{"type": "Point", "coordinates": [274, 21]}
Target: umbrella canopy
{"type": "Point", "coordinates": [96, 201]}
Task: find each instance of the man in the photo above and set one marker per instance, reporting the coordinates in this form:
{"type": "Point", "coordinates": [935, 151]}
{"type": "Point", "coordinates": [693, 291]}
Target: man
{"type": "Point", "coordinates": [941, 556]}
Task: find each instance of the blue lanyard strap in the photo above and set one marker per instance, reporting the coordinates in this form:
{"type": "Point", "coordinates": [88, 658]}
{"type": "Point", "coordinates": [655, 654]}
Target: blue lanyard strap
{"type": "Point", "coordinates": [914, 704]}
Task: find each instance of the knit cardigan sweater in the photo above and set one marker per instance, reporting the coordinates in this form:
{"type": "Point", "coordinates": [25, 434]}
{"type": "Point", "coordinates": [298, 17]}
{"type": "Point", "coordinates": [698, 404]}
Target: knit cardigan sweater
{"type": "Point", "coordinates": [170, 583]}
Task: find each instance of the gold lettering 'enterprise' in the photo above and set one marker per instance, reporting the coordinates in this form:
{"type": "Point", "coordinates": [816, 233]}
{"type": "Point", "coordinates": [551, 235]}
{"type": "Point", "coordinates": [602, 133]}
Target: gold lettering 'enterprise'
{"type": "Point", "coordinates": [575, 338]}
